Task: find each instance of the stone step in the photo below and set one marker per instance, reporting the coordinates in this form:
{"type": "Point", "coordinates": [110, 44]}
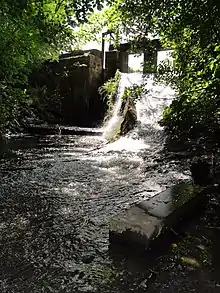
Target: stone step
{"type": "Point", "coordinates": [147, 220]}
{"type": "Point", "coordinates": [62, 130]}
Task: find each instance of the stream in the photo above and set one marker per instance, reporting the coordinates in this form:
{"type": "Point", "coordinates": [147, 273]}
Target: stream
{"type": "Point", "coordinates": [58, 194]}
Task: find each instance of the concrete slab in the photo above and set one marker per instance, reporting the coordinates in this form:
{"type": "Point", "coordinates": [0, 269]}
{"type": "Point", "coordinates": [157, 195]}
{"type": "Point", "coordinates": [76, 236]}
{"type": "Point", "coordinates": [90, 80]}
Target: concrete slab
{"type": "Point", "coordinates": [172, 200]}
{"type": "Point", "coordinates": [134, 226]}
{"type": "Point", "coordinates": [146, 220]}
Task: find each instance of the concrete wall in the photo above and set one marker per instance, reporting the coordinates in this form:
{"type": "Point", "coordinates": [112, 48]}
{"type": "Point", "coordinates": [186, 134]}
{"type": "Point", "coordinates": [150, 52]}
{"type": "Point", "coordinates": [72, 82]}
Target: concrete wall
{"type": "Point", "coordinates": [70, 88]}
{"type": "Point", "coordinates": [115, 60]}
{"type": "Point", "coordinates": [111, 64]}
{"type": "Point", "coordinates": [118, 59]}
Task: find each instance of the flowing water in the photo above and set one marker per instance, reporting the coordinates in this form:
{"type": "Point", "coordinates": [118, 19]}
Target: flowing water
{"type": "Point", "coordinates": [58, 193]}
{"type": "Point", "coordinates": [113, 124]}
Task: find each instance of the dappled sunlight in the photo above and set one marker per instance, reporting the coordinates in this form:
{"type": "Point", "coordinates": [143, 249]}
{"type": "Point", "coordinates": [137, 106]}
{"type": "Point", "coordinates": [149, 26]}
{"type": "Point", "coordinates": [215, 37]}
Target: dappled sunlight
{"type": "Point", "coordinates": [66, 189]}
{"type": "Point", "coordinates": [180, 176]}
{"type": "Point", "coordinates": [66, 211]}
{"type": "Point", "coordinates": [190, 261]}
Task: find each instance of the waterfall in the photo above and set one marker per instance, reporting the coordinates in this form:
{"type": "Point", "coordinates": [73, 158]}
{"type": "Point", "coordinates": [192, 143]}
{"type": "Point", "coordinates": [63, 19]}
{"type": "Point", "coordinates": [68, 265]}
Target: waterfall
{"type": "Point", "coordinates": [149, 110]}
{"type": "Point", "coordinates": [113, 124]}
{"type": "Point", "coordinates": [150, 107]}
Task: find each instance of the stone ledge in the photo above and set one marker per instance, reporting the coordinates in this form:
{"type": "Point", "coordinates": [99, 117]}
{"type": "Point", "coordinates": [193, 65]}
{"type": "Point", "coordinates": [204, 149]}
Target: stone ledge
{"type": "Point", "coordinates": [51, 130]}
{"type": "Point", "coordinates": [147, 220]}
{"type": "Point", "coordinates": [134, 226]}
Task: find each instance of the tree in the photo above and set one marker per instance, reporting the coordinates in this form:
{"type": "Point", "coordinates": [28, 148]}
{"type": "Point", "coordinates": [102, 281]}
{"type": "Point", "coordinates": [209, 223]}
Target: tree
{"type": "Point", "coordinates": [192, 29]}
{"type": "Point", "coordinates": [31, 32]}
{"type": "Point", "coordinates": [108, 18]}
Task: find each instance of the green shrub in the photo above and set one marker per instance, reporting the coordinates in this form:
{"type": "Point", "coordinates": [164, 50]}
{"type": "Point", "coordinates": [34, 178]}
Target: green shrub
{"type": "Point", "coordinates": [134, 92]}
{"type": "Point", "coordinates": [109, 91]}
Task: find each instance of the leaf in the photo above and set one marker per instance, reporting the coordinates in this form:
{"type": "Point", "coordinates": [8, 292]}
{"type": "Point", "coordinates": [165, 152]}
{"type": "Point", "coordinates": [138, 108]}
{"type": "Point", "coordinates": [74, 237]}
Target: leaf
{"type": "Point", "coordinates": [190, 261]}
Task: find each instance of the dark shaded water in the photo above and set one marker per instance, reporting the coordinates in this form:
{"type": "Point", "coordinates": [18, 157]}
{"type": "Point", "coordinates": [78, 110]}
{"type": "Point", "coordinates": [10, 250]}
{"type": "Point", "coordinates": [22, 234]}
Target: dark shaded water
{"type": "Point", "coordinates": [57, 196]}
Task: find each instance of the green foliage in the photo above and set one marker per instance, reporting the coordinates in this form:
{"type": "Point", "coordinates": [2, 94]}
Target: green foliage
{"type": "Point", "coordinates": [196, 109]}
{"type": "Point", "coordinates": [32, 32]}
{"type": "Point", "coordinates": [98, 22]}
{"type": "Point", "coordinates": [134, 92]}
{"type": "Point", "coordinates": [192, 29]}
{"type": "Point", "coordinates": [109, 90]}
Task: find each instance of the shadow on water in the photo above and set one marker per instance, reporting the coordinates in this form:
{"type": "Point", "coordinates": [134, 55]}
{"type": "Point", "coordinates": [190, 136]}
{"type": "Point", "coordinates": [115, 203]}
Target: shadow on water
{"type": "Point", "coordinates": [56, 198]}
{"type": "Point", "coordinates": [54, 215]}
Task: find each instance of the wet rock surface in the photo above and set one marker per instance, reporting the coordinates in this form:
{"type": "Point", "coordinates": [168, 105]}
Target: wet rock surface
{"type": "Point", "coordinates": [129, 114]}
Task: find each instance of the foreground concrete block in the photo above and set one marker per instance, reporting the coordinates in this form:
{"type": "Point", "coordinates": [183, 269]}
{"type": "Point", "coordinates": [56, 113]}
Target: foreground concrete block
{"type": "Point", "coordinates": [145, 221]}
{"type": "Point", "coordinates": [172, 201]}
{"type": "Point", "coordinates": [134, 226]}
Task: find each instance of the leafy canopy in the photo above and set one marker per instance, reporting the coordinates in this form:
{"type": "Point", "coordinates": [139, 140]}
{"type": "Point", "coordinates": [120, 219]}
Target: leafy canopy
{"type": "Point", "coordinates": [108, 19]}
{"type": "Point", "coordinates": [31, 32]}
{"type": "Point", "coordinates": [192, 29]}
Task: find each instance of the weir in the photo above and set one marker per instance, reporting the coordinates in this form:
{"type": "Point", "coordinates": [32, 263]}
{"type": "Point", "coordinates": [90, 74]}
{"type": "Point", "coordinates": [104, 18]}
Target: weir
{"type": "Point", "coordinates": [117, 58]}
{"type": "Point", "coordinates": [149, 110]}
{"type": "Point", "coordinates": [147, 220]}
{"type": "Point", "coordinates": [60, 192]}
{"type": "Point", "coordinates": [68, 89]}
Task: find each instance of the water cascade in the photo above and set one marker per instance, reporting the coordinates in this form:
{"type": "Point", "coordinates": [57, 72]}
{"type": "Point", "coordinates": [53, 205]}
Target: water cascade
{"type": "Point", "coordinates": [113, 124]}
{"type": "Point", "coordinates": [149, 110]}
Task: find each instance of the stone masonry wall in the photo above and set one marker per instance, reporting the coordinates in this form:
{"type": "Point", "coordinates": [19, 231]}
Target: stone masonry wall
{"type": "Point", "coordinates": [68, 88]}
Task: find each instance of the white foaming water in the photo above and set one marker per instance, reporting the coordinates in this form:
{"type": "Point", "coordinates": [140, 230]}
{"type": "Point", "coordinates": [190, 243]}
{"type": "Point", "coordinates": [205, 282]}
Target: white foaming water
{"type": "Point", "coordinates": [112, 126]}
{"type": "Point", "coordinates": [147, 133]}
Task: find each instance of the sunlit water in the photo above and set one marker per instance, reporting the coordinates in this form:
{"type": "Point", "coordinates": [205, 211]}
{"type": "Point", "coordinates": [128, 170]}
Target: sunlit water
{"type": "Point", "coordinates": [113, 124]}
{"type": "Point", "coordinates": [58, 194]}
{"type": "Point", "coordinates": [148, 133]}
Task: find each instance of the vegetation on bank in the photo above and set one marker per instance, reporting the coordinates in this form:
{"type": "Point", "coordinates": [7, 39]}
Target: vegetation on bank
{"type": "Point", "coordinates": [32, 32]}
{"type": "Point", "coordinates": [134, 92]}
{"type": "Point", "coordinates": [192, 29]}
{"type": "Point", "coordinates": [109, 91]}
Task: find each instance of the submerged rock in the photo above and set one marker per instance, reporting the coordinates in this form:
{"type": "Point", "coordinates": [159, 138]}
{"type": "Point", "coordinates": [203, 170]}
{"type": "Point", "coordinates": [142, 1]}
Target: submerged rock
{"type": "Point", "coordinates": [88, 259]}
{"type": "Point", "coordinates": [129, 116]}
